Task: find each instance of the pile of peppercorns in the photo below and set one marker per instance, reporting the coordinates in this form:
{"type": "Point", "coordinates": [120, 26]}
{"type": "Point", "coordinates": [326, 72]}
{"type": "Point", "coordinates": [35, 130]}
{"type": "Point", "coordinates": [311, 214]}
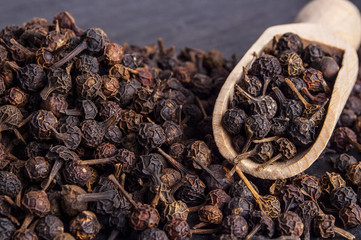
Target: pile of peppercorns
{"type": "Point", "coordinates": [108, 141]}
{"type": "Point", "coordinates": [279, 103]}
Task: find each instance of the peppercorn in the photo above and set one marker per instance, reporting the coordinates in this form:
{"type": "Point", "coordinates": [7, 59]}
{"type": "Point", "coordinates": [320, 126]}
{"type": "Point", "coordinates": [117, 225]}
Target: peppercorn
{"type": "Point", "coordinates": [143, 217]}
{"type": "Point", "coordinates": [235, 225]}
{"type": "Point", "coordinates": [176, 209]}
{"type": "Point", "coordinates": [218, 197]}
{"type": "Point", "coordinates": [342, 196]}
{"type": "Point", "coordinates": [262, 223]}
{"type": "Point", "coordinates": [312, 53]}
{"type": "Point", "coordinates": [331, 181]}
{"type": "Point", "coordinates": [31, 78]}
{"type": "Point", "coordinates": [292, 63]}
{"type": "Point", "coordinates": [192, 191]}
{"type": "Point", "coordinates": [343, 161]}
{"type": "Point", "coordinates": [291, 196]}
{"type": "Point", "coordinates": [308, 210]}
{"type": "Point", "coordinates": [37, 168]}
{"type": "Point", "coordinates": [289, 223]}
{"type": "Point", "coordinates": [76, 174]}
{"type": "Point", "coordinates": [37, 203]}
{"type": "Point", "coordinates": [151, 135]}
{"type": "Point", "coordinates": [309, 186]}
{"type": "Point", "coordinates": [353, 174]}
{"type": "Point", "coordinates": [178, 229]}
{"type": "Point", "coordinates": [49, 227]}
{"type": "Point", "coordinates": [324, 227]}
{"type": "Point", "coordinates": [289, 41]}
{"type": "Point", "coordinates": [233, 120]}
{"type": "Point", "coordinates": [40, 124]}
{"type": "Point", "coordinates": [7, 229]}
{"type": "Point", "coordinates": [153, 234]}
{"type": "Point", "coordinates": [85, 225]}
{"type": "Point", "coordinates": [59, 80]}
{"type": "Point", "coordinates": [10, 185]}
{"type": "Point", "coordinates": [239, 206]}
{"type": "Point", "coordinates": [339, 139]}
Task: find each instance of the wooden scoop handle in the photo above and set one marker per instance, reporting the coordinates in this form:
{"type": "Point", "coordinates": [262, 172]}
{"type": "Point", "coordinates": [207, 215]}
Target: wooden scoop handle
{"type": "Point", "coordinates": [342, 17]}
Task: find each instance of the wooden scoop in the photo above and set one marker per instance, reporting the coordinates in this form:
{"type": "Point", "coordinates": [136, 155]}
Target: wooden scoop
{"type": "Point", "coordinates": [336, 26]}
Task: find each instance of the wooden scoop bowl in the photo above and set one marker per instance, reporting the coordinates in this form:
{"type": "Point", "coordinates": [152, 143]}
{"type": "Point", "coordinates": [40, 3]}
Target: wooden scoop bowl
{"type": "Point", "coordinates": [336, 26]}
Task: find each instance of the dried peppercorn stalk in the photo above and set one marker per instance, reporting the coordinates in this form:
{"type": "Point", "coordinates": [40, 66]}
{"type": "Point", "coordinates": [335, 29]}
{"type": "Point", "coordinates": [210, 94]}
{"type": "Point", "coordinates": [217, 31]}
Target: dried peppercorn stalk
{"type": "Point", "coordinates": [324, 227]}
{"type": "Point", "coordinates": [268, 204]}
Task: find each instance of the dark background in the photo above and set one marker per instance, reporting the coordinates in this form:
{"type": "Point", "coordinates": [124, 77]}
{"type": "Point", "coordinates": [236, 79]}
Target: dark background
{"type": "Point", "coordinates": [230, 26]}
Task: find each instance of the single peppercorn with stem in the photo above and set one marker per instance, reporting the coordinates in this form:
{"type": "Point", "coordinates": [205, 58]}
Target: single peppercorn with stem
{"type": "Point", "coordinates": [143, 216]}
{"type": "Point", "coordinates": [40, 124]}
{"type": "Point", "coordinates": [290, 224]}
{"type": "Point", "coordinates": [262, 223]}
{"type": "Point", "coordinates": [309, 186]}
{"type": "Point", "coordinates": [315, 82]}
{"type": "Point", "coordinates": [264, 105]}
{"type": "Point", "coordinates": [257, 127]}
{"type": "Point", "coordinates": [209, 214]}
{"type": "Point", "coordinates": [261, 153]}
{"type": "Point", "coordinates": [93, 41]}
{"type": "Point", "coordinates": [57, 154]}
{"type": "Point", "coordinates": [286, 149]}
{"type": "Point", "coordinates": [307, 210]}
{"type": "Point", "coordinates": [266, 67]}
{"type": "Point", "coordinates": [59, 80]}
{"type": "Point", "coordinates": [268, 204]}
{"type": "Point", "coordinates": [251, 84]}
{"type": "Point", "coordinates": [324, 227]}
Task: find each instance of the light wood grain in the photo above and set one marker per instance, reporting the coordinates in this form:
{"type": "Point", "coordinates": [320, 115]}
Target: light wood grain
{"type": "Point", "coordinates": [309, 32]}
{"type": "Point", "coordinates": [341, 17]}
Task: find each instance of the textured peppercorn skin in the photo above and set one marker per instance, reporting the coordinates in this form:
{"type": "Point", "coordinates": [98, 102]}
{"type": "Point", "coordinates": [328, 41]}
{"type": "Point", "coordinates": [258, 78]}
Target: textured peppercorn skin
{"type": "Point", "coordinates": [76, 174]}
{"type": "Point", "coordinates": [235, 225]}
{"type": "Point", "coordinates": [7, 229]}
{"type": "Point", "coordinates": [143, 217]}
{"type": "Point", "coordinates": [178, 229]}
{"type": "Point", "coordinates": [10, 185]}
{"type": "Point", "coordinates": [350, 215]}
{"type": "Point", "coordinates": [37, 203]}
{"type": "Point", "coordinates": [85, 226]}
{"type": "Point", "coordinates": [49, 227]}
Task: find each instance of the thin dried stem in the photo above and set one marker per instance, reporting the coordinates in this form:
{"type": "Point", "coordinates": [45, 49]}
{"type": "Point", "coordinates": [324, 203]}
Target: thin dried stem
{"type": "Point", "coordinates": [121, 188]}
{"type": "Point", "coordinates": [299, 95]}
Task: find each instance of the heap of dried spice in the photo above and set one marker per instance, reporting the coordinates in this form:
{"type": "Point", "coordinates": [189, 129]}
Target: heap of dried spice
{"type": "Point", "coordinates": [280, 102]}
{"type": "Point", "coordinates": [108, 141]}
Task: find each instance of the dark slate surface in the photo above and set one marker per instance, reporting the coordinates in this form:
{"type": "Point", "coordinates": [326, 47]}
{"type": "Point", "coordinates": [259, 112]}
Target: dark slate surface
{"type": "Point", "coordinates": [230, 26]}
